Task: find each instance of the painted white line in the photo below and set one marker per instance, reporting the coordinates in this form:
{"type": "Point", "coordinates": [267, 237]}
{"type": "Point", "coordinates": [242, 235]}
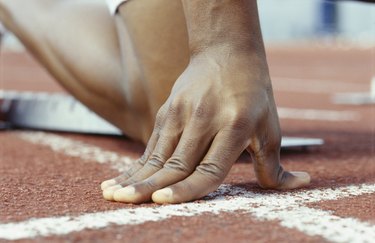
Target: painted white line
{"type": "Point", "coordinates": [315, 86]}
{"type": "Point", "coordinates": [317, 115]}
{"type": "Point", "coordinates": [316, 222]}
{"type": "Point", "coordinates": [78, 149]}
{"type": "Point", "coordinates": [288, 208]}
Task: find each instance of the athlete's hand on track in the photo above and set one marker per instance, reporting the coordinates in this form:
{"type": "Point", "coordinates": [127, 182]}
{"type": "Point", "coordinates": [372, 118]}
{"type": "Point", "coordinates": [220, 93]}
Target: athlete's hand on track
{"type": "Point", "coordinates": [218, 107]}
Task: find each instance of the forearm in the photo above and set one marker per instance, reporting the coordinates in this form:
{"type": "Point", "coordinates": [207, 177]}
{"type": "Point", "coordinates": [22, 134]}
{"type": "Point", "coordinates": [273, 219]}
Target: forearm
{"type": "Point", "coordinates": [223, 24]}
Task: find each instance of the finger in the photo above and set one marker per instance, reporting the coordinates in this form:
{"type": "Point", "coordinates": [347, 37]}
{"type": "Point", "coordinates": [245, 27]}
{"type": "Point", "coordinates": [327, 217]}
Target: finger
{"type": "Point", "coordinates": [163, 151]}
{"type": "Point", "coordinates": [210, 173]}
{"type": "Point", "coordinates": [266, 156]}
{"type": "Point", "coordinates": [190, 150]}
{"type": "Point", "coordinates": [271, 175]}
{"type": "Point", "coordinates": [164, 148]}
{"type": "Point", "coordinates": [159, 120]}
{"type": "Point", "coordinates": [115, 181]}
{"type": "Point", "coordinates": [110, 186]}
{"type": "Point", "coordinates": [137, 165]}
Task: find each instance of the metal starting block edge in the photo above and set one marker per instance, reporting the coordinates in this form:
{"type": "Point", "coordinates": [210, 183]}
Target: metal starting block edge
{"type": "Point", "coordinates": [63, 113]}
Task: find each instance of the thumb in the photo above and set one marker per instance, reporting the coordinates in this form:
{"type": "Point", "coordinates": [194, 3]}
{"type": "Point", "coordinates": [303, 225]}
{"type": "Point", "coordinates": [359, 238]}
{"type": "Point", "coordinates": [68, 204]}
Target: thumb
{"type": "Point", "coordinates": [265, 151]}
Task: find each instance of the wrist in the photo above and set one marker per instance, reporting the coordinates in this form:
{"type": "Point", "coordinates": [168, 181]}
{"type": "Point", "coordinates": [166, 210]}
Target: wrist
{"type": "Point", "coordinates": [223, 25]}
{"type": "Point", "coordinates": [229, 56]}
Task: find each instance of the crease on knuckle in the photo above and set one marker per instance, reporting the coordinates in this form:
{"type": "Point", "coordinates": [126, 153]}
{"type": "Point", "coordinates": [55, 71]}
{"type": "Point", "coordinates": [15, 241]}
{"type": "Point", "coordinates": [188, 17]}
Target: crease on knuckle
{"type": "Point", "coordinates": [267, 143]}
{"type": "Point", "coordinates": [156, 160]}
{"type": "Point", "coordinates": [142, 161]}
{"type": "Point", "coordinates": [214, 172]}
{"type": "Point", "coordinates": [185, 188]}
{"type": "Point", "coordinates": [176, 164]}
{"type": "Point", "coordinates": [272, 181]}
{"type": "Point", "coordinates": [130, 181]}
{"type": "Point", "coordinates": [149, 183]}
{"type": "Point", "coordinates": [126, 174]}
{"type": "Point", "coordinates": [123, 176]}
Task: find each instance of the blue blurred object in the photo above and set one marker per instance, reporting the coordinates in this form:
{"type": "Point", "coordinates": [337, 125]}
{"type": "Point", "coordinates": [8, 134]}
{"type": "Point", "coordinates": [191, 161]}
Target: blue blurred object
{"type": "Point", "coordinates": [329, 17]}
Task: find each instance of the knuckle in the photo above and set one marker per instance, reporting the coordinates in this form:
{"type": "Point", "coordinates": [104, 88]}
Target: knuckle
{"type": "Point", "coordinates": [125, 175]}
{"type": "Point", "coordinates": [140, 163]}
{"type": "Point", "coordinates": [212, 170]}
{"type": "Point", "coordinates": [149, 183]}
{"type": "Point", "coordinates": [169, 134]}
{"type": "Point", "coordinates": [268, 142]}
{"type": "Point", "coordinates": [268, 183]}
{"type": "Point", "coordinates": [176, 164]}
{"type": "Point", "coordinates": [272, 180]}
{"type": "Point", "coordinates": [190, 144]}
{"type": "Point", "coordinates": [201, 111]}
{"type": "Point", "coordinates": [176, 106]}
{"type": "Point", "coordinates": [156, 160]}
{"type": "Point", "coordinates": [130, 181]}
{"type": "Point", "coordinates": [240, 122]}
{"type": "Point", "coordinates": [159, 119]}
{"type": "Point", "coordinates": [143, 159]}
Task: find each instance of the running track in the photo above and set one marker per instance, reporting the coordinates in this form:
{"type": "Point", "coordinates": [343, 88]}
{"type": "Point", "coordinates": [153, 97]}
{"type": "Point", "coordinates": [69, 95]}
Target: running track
{"type": "Point", "coordinates": [50, 182]}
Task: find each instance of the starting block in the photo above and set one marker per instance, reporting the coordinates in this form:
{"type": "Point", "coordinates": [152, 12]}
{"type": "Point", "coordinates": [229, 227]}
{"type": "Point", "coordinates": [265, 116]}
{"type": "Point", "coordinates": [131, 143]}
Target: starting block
{"type": "Point", "coordinates": [63, 113]}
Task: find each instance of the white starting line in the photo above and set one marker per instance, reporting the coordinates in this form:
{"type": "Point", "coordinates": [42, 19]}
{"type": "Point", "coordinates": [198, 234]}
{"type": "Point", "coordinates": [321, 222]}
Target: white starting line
{"type": "Point", "coordinates": [288, 208]}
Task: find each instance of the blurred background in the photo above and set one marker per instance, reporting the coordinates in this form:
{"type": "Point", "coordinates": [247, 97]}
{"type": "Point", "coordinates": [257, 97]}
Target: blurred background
{"type": "Point", "coordinates": [319, 52]}
{"type": "Point", "coordinates": [301, 20]}
{"type": "Point", "coordinates": [291, 21]}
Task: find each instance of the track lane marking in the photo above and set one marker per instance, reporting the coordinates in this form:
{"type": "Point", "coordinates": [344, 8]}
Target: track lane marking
{"type": "Point", "coordinates": [288, 208]}
{"type": "Point", "coordinates": [317, 115]}
{"type": "Point", "coordinates": [316, 86]}
{"type": "Point", "coordinates": [78, 149]}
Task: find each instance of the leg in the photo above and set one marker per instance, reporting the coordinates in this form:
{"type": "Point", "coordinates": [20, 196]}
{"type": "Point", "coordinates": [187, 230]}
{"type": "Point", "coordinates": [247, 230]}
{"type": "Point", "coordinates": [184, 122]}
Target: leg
{"type": "Point", "coordinates": [154, 34]}
{"type": "Point", "coordinates": [77, 41]}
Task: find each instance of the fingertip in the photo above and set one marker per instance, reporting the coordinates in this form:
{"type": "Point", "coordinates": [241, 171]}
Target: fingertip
{"type": "Point", "coordinates": [163, 196]}
{"type": "Point", "coordinates": [108, 183]}
{"type": "Point", "coordinates": [126, 194]}
{"type": "Point", "coordinates": [303, 177]}
{"type": "Point", "coordinates": [109, 192]}
{"type": "Point", "coordinates": [297, 180]}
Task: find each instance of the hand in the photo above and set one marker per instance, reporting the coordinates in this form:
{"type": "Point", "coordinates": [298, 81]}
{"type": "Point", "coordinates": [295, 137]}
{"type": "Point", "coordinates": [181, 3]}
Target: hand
{"type": "Point", "coordinates": [219, 106]}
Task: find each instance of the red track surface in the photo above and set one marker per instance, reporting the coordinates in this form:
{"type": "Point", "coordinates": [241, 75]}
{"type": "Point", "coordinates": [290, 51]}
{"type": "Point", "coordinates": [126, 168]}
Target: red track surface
{"type": "Point", "coordinates": [38, 182]}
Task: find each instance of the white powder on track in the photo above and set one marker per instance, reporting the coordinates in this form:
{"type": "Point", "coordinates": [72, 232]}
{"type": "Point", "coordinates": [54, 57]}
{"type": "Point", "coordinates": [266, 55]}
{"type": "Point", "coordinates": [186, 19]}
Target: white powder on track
{"type": "Point", "coordinates": [289, 208]}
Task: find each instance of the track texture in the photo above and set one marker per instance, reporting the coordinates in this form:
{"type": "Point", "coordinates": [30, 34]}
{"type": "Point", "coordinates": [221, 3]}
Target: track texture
{"type": "Point", "coordinates": [45, 181]}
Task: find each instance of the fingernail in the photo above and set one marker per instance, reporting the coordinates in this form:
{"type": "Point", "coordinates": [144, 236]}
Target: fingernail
{"type": "Point", "coordinates": [162, 196]}
{"type": "Point", "coordinates": [124, 194]}
{"type": "Point", "coordinates": [108, 192]}
{"type": "Point", "coordinates": [107, 183]}
{"type": "Point", "coordinates": [302, 175]}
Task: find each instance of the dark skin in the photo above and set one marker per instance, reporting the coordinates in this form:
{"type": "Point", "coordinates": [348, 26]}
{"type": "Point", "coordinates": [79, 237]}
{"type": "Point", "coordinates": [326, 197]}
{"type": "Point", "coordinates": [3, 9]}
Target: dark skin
{"type": "Point", "coordinates": [199, 98]}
